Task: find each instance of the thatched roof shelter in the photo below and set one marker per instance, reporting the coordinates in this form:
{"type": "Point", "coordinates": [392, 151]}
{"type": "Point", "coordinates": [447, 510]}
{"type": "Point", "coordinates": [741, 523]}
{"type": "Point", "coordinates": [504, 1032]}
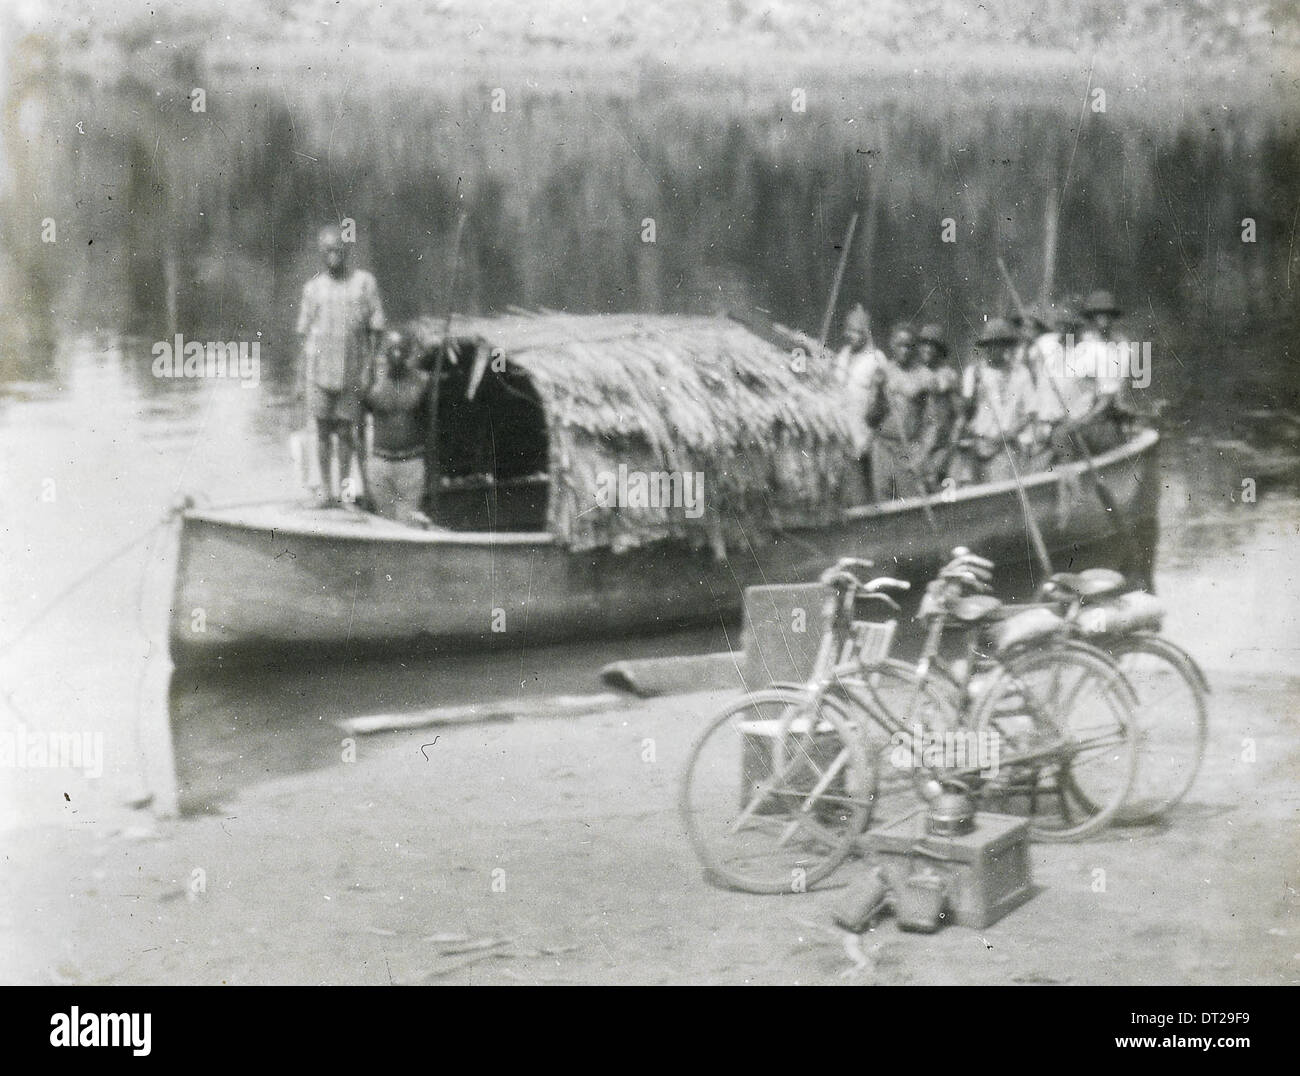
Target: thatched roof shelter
{"type": "Point", "coordinates": [655, 394]}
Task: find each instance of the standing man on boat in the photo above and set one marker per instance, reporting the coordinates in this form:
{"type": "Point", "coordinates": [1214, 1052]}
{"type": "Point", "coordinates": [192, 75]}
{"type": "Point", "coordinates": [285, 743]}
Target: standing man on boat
{"type": "Point", "coordinates": [999, 395]}
{"type": "Point", "coordinates": [857, 342]}
{"type": "Point", "coordinates": [1097, 362]}
{"type": "Point", "coordinates": [339, 322]}
{"type": "Point", "coordinates": [398, 397]}
{"type": "Point", "coordinates": [1074, 391]}
{"type": "Point", "coordinates": [895, 413]}
{"type": "Point", "coordinates": [856, 367]}
{"type": "Point", "coordinates": [942, 401]}
{"type": "Point", "coordinates": [1044, 359]}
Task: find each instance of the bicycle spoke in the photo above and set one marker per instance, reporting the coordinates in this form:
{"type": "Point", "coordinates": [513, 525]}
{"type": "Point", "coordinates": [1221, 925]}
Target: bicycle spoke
{"type": "Point", "coordinates": [1080, 727]}
{"type": "Point", "coordinates": [774, 793]}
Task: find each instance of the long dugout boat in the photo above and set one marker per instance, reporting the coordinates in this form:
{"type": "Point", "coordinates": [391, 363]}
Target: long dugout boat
{"type": "Point", "coordinates": [606, 475]}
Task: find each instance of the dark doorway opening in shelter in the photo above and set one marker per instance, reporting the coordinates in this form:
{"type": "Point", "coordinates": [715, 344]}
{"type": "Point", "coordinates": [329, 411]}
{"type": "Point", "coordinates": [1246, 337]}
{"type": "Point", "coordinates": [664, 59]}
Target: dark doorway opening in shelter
{"type": "Point", "coordinates": [489, 469]}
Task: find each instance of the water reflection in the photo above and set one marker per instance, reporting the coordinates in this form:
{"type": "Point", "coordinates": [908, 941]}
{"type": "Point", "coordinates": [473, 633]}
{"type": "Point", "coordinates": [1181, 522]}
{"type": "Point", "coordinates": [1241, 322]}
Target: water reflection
{"type": "Point", "coordinates": [172, 222]}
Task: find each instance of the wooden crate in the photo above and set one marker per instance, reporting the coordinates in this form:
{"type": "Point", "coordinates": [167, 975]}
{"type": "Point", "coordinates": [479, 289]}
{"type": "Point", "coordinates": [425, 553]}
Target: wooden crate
{"type": "Point", "coordinates": [988, 871]}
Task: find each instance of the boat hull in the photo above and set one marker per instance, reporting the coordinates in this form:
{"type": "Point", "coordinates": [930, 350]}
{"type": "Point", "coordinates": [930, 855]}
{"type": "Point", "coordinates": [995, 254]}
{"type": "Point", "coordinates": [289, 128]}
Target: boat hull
{"type": "Point", "coordinates": [256, 582]}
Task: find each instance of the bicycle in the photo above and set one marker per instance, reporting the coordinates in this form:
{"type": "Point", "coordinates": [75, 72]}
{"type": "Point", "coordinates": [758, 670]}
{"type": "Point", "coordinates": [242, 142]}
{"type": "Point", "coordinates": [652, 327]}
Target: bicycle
{"type": "Point", "coordinates": [810, 757]}
{"type": "Point", "coordinates": [1026, 681]}
{"type": "Point", "coordinates": [789, 822]}
{"type": "Point", "coordinates": [1122, 626]}
{"type": "Point", "coordinates": [1173, 693]}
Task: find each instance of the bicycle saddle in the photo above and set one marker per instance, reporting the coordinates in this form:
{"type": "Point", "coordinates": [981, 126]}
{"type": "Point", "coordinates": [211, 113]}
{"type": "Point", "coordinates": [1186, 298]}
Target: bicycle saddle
{"type": "Point", "coordinates": [1026, 626]}
{"type": "Point", "coordinates": [1091, 583]}
{"type": "Point", "coordinates": [977, 607]}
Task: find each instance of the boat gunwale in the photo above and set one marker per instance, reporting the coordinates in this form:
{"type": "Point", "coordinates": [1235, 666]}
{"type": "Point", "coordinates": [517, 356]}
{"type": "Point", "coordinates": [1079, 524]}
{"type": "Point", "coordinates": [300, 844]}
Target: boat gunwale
{"type": "Point", "coordinates": [331, 530]}
{"type": "Point", "coordinates": [1129, 449]}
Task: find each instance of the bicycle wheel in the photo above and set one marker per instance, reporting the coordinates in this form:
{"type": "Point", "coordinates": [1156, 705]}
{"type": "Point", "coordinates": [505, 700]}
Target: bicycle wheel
{"type": "Point", "coordinates": [906, 704]}
{"type": "Point", "coordinates": [1173, 722]}
{"type": "Point", "coordinates": [1064, 723]}
{"type": "Point", "coordinates": [776, 789]}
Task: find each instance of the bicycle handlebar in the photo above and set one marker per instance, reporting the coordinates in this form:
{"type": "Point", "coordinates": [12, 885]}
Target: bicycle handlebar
{"type": "Point", "coordinates": [968, 579]}
{"type": "Point", "coordinates": [964, 556]}
{"type": "Point", "coordinates": [843, 570]}
{"type": "Point", "coordinates": [886, 581]}
{"type": "Point", "coordinates": [842, 575]}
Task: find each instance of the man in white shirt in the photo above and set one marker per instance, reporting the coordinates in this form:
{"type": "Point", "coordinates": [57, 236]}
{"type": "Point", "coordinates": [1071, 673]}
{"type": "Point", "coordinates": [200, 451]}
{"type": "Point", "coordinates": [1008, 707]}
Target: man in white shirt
{"type": "Point", "coordinates": [1082, 383]}
{"type": "Point", "coordinates": [856, 367]}
{"type": "Point", "coordinates": [998, 394]}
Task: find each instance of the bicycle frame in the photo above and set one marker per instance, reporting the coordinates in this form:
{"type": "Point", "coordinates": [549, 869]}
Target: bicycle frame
{"type": "Point", "coordinates": [842, 675]}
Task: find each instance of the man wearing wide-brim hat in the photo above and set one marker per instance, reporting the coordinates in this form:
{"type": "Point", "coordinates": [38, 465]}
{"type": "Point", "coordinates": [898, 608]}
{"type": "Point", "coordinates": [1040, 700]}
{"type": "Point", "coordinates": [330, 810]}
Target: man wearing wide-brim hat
{"type": "Point", "coordinates": [998, 394]}
{"type": "Point", "coordinates": [1092, 396]}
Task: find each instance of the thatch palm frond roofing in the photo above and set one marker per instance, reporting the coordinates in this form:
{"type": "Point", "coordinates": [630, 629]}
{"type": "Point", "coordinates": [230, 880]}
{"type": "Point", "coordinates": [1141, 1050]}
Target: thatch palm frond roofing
{"type": "Point", "coordinates": [765, 429]}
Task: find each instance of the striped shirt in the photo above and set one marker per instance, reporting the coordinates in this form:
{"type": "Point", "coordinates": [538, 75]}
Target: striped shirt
{"type": "Point", "coordinates": [334, 319]}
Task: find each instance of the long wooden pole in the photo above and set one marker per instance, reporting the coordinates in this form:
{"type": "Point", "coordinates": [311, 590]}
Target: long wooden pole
{"type": "Point", "coordinates": [433, 463]}
{"type": "Point", "coordinates": [1051, 221]}
{"type": "Point", "coordinates": [1031, 523]}
{"type": "Point", "coordinates": [839, 279]}
{"type": "Point", "coordinates": [876, 175]}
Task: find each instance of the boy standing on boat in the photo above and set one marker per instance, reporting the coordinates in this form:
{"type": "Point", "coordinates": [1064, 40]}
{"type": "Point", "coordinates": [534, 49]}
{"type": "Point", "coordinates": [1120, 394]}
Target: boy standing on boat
{"type": "Point", "coordinates": [340, 318]}
{"type": "Point", "coordinates": [398, 398]}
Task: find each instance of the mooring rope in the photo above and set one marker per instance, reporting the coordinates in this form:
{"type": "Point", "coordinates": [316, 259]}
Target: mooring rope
{"type": "Point", "coordinates": [172, 513]}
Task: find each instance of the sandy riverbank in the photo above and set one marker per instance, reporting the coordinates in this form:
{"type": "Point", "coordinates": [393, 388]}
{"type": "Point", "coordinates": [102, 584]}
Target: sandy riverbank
{"type": "Point", "coordinates": [556, 839]}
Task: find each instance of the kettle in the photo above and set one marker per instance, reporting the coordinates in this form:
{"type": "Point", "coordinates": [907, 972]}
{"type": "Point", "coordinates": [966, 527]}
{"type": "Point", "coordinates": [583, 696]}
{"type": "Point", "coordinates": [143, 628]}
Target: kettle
{"type": "Point", "coordinates": [952, 812]}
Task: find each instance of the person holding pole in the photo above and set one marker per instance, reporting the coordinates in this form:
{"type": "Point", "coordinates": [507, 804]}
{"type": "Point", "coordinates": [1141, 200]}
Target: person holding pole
{"type": "Point", "coordinates": [941, 402]}
{"type": "Point", "coordinates": [999, 396]}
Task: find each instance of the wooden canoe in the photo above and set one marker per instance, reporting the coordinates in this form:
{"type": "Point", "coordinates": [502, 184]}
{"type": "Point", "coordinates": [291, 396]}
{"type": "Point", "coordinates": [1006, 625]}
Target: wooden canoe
{"type": "Point", "coordinates": [260, 580]}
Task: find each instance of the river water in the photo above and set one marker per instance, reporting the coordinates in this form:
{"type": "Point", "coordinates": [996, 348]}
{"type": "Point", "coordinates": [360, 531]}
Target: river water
{"type": "Point", "coordinates": [171, 222]}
